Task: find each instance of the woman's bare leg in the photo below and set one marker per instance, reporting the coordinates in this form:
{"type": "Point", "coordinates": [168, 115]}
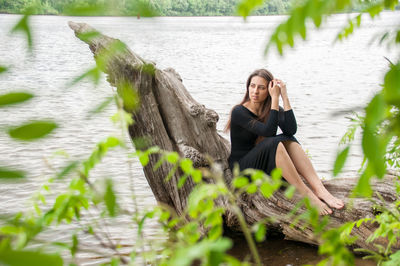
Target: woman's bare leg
{"type": "Point", "coordinates": [305, 168]}
{"type": "Point", "coordinates": [291, 175]}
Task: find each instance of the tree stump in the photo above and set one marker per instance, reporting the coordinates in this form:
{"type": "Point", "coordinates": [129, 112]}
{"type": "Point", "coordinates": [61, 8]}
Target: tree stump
{"type": "Point", "coordinates": [176, 122]}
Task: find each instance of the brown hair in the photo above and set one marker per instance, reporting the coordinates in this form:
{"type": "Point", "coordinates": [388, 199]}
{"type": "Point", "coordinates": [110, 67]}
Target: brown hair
{"type": "Point", "coordinates": [266, 106]}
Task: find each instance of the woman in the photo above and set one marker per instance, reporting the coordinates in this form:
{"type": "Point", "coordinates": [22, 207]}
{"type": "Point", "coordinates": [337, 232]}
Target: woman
{"type": "Point", "coordinates": [254, 143]}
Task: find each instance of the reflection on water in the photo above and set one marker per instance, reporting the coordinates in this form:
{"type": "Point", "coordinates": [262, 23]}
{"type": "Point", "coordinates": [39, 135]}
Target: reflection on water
{"type": "Point", "coordinates": [214, 56]}
{"type": "Point", "coordinates": [279, 252]}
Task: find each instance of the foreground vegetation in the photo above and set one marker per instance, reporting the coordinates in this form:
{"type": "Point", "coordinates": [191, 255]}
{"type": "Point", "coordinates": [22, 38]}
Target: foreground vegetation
{"type": "Point", "coordinates": [380, 124]}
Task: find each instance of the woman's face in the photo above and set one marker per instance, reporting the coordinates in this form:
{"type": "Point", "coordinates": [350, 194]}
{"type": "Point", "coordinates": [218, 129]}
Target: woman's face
{"type": "Point", "coordinates": [258, 89]}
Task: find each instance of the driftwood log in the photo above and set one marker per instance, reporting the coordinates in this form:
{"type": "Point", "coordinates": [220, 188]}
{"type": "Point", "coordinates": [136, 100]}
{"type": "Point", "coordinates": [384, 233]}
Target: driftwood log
{"type": "Point", "coordinates": [176, 122]}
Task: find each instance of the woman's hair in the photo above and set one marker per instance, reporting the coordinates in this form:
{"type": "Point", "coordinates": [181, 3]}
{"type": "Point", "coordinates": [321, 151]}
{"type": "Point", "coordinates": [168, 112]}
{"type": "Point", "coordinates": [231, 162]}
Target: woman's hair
{"type": "Point", "coordinates": [266, 106]}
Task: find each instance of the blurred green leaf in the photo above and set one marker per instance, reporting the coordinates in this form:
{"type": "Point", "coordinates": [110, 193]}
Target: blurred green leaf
{"type": "Point", "coordinates": [289, 192]}
{"type": "Point", "coordinates": [172, 157]}
{"type": "Point", "coordinates": [3, 69]}
{"type": "Point", "coordinates": [140, 8]}
{"type": "Point", "coordinates": [110, 199]}
{"type": "Point", "coordinates": [23, 27]}
{"type": "Point", "coordinates": [186, 166]}
{"type": "Point", "coordinates": [102, 106]}
{"type": "Point", "coordinates": [31, 258]}
{"type": "Point", "coordinates": [391, 88]}
{"type": "Point", "coordinates": [14, 98]}
{"type": "Point", "coordinates": [259, 232]}
{"type": "Point", "coordinates": [68, 169]}
{"type": "Point", "coordinates": [340, 160]}
{"type": "Point", "coordinates": [245, 7]}
{"type": "Point", "coordinates": [251, 189]}
{"type": "Point", "coordinates": [373, 144]}
{"type": "Point", "coordinates": [363, 187]}
{"type": "Point", "coordinates": [75, 243]}
{"type": "Point", "coordinates": [182, 181]}
{"type": "Point", "coordinates": [239, 182]}
{"type": "Point", "coordinates": [295, 24]}
{"type": "Point", "coordinates": [266, 190]}
{"type": "Point", "coordinates": [93, 74]}
{"type": "Point", "coordinates": [144, 158]}
{"type": "Point", "coordinates": [88, 36]}
{"type": "Point", "coordinates": [129, 96]}
{"type": "Point", "coordinates": [196, 175]}
{"type": "Point", "coordinates": [32, 130]}
{"type": "Point", "coordinates": [11, 173]}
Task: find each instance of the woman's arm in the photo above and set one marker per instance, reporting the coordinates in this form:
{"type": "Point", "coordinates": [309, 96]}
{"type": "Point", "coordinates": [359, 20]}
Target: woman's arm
{"type": "Point", "coordinates": [243, 118]}
{"type": "Point", "coordinates": [287, 121]}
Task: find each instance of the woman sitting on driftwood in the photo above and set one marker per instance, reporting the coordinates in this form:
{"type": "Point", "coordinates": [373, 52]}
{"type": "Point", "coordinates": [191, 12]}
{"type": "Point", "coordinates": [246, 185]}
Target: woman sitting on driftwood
{"type": "Point", "coordinates": [254, 143]}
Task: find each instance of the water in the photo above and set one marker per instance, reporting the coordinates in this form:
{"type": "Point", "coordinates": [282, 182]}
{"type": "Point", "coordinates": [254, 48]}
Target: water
{"type": "Point", "coordinates": [214, 56]}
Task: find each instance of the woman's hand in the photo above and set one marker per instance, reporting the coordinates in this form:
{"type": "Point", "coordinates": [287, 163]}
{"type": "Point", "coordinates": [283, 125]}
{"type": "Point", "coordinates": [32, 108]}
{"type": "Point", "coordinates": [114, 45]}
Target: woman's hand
{"type": "Point", "coordinates": [282, 87]}
{"type": "Point", "coordinates": [273, 89]}
{"type": "Point", "coordinates": [285, 98]}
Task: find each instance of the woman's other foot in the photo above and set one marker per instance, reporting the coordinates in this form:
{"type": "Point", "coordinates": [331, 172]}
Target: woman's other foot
{"type": "Point", "coordinates": [329, 199]}
{"type": "Point", "coordinates": [323, 209]}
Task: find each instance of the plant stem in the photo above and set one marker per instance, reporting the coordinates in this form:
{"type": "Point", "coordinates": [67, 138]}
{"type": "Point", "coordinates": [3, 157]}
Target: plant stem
{"type": "Point", "coordinates": [246, 231]}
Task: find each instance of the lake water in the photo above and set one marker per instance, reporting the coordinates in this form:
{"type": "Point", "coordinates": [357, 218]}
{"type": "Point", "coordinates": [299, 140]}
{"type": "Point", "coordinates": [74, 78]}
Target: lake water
{"type": "Point", "coordinates": [214, 56]}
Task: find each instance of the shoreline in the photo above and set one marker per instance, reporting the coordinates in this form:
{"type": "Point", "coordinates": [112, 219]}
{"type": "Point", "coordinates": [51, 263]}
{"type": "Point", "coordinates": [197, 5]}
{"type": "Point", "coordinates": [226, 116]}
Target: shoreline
{"type": "Point", "coordinates": [180, 16]}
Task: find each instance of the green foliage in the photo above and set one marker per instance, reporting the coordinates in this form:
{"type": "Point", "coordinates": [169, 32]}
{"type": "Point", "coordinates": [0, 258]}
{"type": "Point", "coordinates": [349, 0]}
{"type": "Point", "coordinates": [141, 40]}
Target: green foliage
{"type": "Point", "coordinates": [14, 98]}
{"type": "Point", "coordinates": [23, 27]}
{"type": "Point", "coordinates": [3, 69]}
{"type": "Point", "coordinates": [32, 130]}
{"type": "Point", "coordinates": [11, 173]}
{"type": "Point", "coordinates": [340, 159]}
{"type": "Point", "coordinates": [34, 258]}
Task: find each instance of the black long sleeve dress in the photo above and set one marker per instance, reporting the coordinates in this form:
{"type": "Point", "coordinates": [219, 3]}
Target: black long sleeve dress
{"type": "Point", "coordinates": [245, 128]}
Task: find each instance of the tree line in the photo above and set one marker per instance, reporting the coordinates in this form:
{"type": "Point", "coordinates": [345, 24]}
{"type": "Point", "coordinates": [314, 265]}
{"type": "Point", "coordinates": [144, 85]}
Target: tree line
{"type": "Point", "coordinates": [130, 7]}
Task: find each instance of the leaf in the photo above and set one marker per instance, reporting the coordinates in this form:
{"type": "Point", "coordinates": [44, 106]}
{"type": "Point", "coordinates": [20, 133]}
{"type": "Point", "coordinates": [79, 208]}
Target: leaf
{"type": "Point", "coordinates": [245, 7]}
{"type": "Point", "coordinates": [260, 232]}
{"type": "Point", "coordinates": [129, 96]}
{"type": "Point", "coordinates": [88, 36]}
{"type": "Point", "coordinates": [32, 130]}
{"type": "Point", "coordinates": [182, 181]}
{"type": "Point", "coordinates": [363, 187]}
{"type": "Point", "coordinates": [391, 88]}
{"type": "Point", "coordinates": [374, 145]}
{"type": "Point", "coordinates": [110, 198]}
{"type": "Point", "coordinates": [266, 190]}
{"type": "Point", "coordinates": [240, 182]}
{"type": "Point", "coordinates": [251, 189]}
{"type": "Point", "coordinates": [3, 69]}
{"type": "Point", "coordinates": [102, 106]}
{"type": "Point", "coordinates": [186, 166]}
{"type": "Point", "coordinates": [94, 74]}
{"type": "Point", "coordinates": [173, 157]}
{"type": "Point", "coordinates": [340, 160]}
{"type": "Point", "coordinates": [289, 192]}
{"type": "Point", "coordinates": [141, 8]}
{"type": "Point", "coordinates": [31, 258]}
{"type": "Point", "coordinates": [14, 98]}
{"type": "Point", "coordinates": [23, 26]}
{"type": "Point", "coordinates": [11, 173]}
{"type": "Point", "coordinates": [75, 243]}
{"type": "Point", "coordinates": [70, 167]}
{"type": "Point", "coordinates": [196, 175]}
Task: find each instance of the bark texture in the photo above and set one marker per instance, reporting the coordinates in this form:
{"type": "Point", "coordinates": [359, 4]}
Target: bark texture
{"type": "Point", "coordinates": [174, 121]}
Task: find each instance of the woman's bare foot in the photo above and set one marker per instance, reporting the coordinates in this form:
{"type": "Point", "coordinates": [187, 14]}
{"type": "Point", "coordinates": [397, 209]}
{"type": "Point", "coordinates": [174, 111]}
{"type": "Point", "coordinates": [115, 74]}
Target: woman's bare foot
{"type": "Point", "coordinates": [323, 209]}
{"type": "Point", "coordinates": [327, 197]}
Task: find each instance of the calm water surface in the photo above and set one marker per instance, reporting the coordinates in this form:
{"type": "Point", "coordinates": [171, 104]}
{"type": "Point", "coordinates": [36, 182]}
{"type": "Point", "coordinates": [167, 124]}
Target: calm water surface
{"type": "Point", "coordinates": [214, 56]}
